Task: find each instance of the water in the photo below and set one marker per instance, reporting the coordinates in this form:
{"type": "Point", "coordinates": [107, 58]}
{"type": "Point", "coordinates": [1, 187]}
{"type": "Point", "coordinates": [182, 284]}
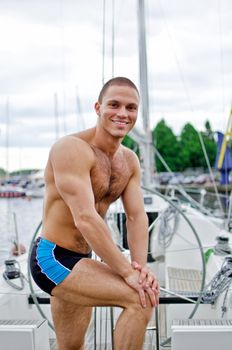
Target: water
{"type": "Point", "coordinates": [28, 214]}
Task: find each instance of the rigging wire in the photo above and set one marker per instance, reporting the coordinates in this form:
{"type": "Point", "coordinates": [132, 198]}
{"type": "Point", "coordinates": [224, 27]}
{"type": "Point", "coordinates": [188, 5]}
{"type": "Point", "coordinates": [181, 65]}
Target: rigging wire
{"type": "Point", "coordinates": [220, 36]}
{"type": "Point", "coordinates": [7, 135]}
{"type": "Point", "coordinates": [188, 98]}
{"type": "Point", "coordinates": [221, 54]}
{"type": "Point", "coordinates": [188, 249]}
{"type": "Point", "coordinates": [80, 120]}
{"type": "Point", "coordinates": [110, 26]}
{"type": "Point", "coordinates": [180, 71]}
{"type": "Point", "coordinates": [210, 171]}
{"type": "Point", "coordinates": [103, 40]}
{"type": "Point", "coordinates": [56, 115]}
{"type": "Point", "coordinates": [181, 188]}
{"type": "Point", "coordinates": [112, 38]}
{"type": "Point", "coordinates": [63, 65]}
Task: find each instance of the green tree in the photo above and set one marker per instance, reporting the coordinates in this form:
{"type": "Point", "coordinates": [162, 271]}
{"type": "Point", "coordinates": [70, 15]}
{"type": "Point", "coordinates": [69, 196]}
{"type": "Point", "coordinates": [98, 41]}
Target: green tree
{"type": "Point", "coordinates": [24, 172]}
{"type": "Point", "coordinates": [167, 145]}
{"type": "Point", "coordinates": [130, 143]}
{"type": "Point", "coordinates": [2, 172]}
{"type": "Point", "coordinates": [191, 150]}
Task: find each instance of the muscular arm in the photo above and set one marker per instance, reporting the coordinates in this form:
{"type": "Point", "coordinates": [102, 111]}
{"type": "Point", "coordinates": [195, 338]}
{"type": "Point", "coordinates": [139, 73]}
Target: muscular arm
{"type": "Point", "coordinates": [137, 221]}
{"type": "Point", "coordinates": [137, 232]}
{"type": "Point", "coordinates": [72, 160]}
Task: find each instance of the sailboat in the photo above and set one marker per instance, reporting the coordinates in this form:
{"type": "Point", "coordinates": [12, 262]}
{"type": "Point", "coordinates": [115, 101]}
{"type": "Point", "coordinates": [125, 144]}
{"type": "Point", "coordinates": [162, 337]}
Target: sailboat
{"type": "Point", "coordinates": [189, 250]}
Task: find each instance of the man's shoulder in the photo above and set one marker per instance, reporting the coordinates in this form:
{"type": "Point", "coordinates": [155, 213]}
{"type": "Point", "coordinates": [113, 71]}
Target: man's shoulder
{"type": "Point", "coordinates": [129, 154]}
{"type": "Point", "coordinates": [131, 159]}
{"type": "Point", "coordinates": [71, 147]}
{"type": "Point", "coordinates": [70, 142]}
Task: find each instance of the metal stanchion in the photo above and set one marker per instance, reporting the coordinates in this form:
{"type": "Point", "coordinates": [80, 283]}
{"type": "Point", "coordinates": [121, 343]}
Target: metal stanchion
{"type": "Point", "coordinates": [112, 326]}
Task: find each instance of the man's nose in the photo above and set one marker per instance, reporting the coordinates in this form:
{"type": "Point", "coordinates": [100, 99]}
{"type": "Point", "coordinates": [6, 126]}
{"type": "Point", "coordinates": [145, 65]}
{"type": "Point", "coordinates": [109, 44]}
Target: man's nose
{"type": "Point", "coordinates": [122, 111]}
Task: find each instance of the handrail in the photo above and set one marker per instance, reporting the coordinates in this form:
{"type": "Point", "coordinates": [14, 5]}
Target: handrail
{"type": "Point", "coordinates": [33, 294]}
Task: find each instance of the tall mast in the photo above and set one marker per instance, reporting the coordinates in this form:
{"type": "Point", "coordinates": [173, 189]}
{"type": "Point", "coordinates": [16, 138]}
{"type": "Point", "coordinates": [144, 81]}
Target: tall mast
{"type": "Point", "coordinates": [56, 115]}
{"type": "Point", "coordinates": [147, 146]}
{"type": "Point", "coordinates": [7, 135]}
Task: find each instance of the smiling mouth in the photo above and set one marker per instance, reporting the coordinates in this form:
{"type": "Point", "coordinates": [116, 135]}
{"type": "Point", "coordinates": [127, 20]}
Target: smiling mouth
{"type": "Point", "coordinates": [120, 122]}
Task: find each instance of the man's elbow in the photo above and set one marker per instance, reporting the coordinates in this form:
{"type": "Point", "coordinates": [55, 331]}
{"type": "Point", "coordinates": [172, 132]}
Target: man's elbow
{"type": "Point", "coordinates": [139, 217]}
{"type": "Point", "coordinates": [83, 221]}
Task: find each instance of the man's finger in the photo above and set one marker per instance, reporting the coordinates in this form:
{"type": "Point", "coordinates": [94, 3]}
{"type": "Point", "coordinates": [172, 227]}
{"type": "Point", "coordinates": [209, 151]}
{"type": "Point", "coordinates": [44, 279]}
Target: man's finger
{"type": "Point", "coordinates": [143, 275]}
{"type": "Point", "coordinates": [153, 297]}
{"type": "Point", "coordinates": [155, 286]}
{"type": "Point", "coordinates": [142, 297]}
{"type": "Point", "coordinates": [150, 280]}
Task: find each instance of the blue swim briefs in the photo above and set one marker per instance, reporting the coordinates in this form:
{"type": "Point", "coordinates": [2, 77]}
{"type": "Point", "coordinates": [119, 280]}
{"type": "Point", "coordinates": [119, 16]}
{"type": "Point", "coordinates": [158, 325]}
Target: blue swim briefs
{"type": "Point", "coordinates": [51, 264]}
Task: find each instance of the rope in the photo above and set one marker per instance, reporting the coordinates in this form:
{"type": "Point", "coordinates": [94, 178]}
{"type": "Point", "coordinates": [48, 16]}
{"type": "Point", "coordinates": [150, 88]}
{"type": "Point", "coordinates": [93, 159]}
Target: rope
{"type": "Point", "coordinates": [224, 308]}
{"type": "Point", "coordinates": [166, 230]}
{"type": "Point", "coordinates": [220, 282]}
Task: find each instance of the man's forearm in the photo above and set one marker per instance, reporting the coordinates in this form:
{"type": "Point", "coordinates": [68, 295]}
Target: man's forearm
{"type": "Point", "coordinates": [137, 237]}
{"type": "Point", "coordinates": [96, 233]}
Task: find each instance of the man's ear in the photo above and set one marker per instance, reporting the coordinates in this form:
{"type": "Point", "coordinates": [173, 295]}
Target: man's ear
{"type": "Point", "coordinates": [97, 108]}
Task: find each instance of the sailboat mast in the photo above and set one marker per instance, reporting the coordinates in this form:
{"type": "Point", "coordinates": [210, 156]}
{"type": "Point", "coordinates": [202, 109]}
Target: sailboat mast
{"type": "Point", "coordinates": [143, 65]}
{"type": "Point", "coordinates": [147, 153]}
{"type": "Point", "coordinates": [56, 115]}
{"type": "Point", "coordinates": [7, 135]}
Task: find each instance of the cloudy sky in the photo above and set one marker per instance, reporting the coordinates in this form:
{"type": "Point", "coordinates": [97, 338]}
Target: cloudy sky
{"type": "Point", "coordinates": [51, 66]}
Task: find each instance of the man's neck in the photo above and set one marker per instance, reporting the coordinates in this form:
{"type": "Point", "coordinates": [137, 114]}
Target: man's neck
{"type": "Point", "coordinates": [106, 143]}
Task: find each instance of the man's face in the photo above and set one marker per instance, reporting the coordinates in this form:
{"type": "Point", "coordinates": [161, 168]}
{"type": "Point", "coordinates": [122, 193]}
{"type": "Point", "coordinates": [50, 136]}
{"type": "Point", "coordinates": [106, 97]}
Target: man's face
{"type": "Point", "coordinates": [118, 110]}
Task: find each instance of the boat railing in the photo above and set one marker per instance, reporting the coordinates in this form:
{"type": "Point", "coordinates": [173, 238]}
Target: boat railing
{"type": "Point", "coordinates": [201, 199]}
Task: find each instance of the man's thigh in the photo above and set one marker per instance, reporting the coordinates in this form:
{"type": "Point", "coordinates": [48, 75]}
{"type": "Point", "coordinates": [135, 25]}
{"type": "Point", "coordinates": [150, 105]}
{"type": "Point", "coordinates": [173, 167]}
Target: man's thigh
{"type": "Point", "coordinates": [93, 283]}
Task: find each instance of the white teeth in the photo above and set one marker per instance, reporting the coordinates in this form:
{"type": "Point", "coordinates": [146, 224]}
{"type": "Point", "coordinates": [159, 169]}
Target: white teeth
{"type": "Point", "coordinates": [119, 122]}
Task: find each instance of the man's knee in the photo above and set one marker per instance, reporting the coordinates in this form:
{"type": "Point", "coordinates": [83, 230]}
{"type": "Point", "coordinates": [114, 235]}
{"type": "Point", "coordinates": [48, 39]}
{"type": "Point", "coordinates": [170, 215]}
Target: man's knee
{"type": "Point", "coordinates": [68, 345]}
{"type": "Point", "coordinates": [142, 313]}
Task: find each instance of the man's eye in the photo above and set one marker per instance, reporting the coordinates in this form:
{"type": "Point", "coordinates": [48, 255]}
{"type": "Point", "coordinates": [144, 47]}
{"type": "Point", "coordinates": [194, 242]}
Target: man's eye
{"type": "Point", "coordinates": [132, 108]}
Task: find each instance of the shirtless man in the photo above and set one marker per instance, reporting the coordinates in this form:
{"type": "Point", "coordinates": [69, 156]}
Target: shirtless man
{"type": "Point", "coordinates": [85, 173]}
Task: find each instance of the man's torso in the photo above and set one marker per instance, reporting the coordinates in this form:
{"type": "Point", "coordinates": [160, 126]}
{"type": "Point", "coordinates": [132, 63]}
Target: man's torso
{"type": "Point", "coordinates": [109, 178]}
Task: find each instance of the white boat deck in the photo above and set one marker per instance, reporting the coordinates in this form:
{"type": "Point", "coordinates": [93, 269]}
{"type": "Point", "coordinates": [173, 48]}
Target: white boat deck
{"type": "Point", "coordinates": [14, 304]}
{"type": "Point", "coordinates": [184, 280]}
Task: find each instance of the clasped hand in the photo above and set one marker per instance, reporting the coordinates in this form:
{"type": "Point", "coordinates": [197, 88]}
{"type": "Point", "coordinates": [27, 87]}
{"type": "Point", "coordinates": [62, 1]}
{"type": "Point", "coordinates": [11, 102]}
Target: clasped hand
{"type": "Point", "coordinates": [148, 283]}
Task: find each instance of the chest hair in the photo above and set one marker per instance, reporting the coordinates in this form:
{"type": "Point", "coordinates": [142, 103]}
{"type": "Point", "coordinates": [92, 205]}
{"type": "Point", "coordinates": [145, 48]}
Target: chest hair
{"type": "Point", "coordinates": [109, 177]}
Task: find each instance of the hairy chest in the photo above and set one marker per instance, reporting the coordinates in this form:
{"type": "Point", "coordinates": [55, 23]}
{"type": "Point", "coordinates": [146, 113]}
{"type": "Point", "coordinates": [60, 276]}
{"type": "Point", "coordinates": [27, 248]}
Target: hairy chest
{"type": "Point", "coordinates": [109, 178]}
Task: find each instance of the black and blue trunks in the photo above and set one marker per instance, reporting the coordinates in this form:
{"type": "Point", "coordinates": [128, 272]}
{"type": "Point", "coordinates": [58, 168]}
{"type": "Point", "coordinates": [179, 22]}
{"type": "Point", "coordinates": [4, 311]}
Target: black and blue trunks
{"type": "Point", "coordinates": [51, 264]}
